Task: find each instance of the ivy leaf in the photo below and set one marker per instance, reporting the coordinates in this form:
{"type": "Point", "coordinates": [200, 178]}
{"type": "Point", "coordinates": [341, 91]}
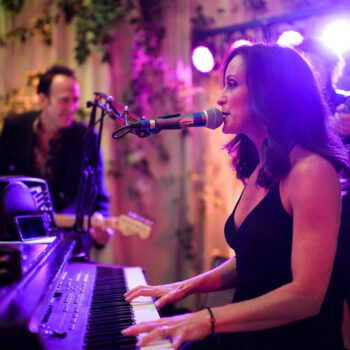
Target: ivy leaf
{"type": "Point", "coordinates": [14, 7]}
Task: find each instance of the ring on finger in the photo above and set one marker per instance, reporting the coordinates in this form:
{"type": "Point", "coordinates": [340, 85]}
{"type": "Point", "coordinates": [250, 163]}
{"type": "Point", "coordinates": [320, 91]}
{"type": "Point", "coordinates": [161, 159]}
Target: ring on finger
{"type": "Point", "coordinates": [165, 330]}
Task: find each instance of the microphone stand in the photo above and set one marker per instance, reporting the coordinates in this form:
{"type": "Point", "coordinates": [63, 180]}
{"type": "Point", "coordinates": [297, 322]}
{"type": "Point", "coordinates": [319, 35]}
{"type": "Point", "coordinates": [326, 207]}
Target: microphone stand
{"type": "Point", "coordinates": [87, 190]}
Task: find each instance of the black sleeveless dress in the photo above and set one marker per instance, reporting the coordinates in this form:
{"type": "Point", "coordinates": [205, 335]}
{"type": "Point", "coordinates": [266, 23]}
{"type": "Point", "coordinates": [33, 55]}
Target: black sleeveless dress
{"type": "Point", "coordinates": [263, 245]}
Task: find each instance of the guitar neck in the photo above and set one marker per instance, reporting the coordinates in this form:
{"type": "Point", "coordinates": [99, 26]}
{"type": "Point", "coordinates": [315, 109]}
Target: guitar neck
{"type": "Point", "coordinates": [68, 220]}
{"type": "Point", "coordinates": [125, 224]}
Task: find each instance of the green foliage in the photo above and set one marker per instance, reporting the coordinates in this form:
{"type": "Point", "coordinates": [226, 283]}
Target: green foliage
{"type": "Point", "coordinates": [96, 24]}
{"type": "Point", "coordinates": [146, 54]}
{"type": "Point", "coordinates": [41, 26]}
{"type": "Point", "coordinates": [69, 8]}
{"type": "Point", "coordinates": [12, 6]}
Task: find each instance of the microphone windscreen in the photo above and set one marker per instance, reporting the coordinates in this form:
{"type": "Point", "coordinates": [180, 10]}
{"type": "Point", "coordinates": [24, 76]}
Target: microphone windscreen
{"type": "Point", "coordinates": [214, 118]}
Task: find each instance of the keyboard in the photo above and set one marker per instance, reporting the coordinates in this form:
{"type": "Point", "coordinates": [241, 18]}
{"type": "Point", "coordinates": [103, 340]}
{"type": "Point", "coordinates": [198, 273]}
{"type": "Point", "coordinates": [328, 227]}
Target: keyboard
{"type": "Point", "coordinates": [88, 310]}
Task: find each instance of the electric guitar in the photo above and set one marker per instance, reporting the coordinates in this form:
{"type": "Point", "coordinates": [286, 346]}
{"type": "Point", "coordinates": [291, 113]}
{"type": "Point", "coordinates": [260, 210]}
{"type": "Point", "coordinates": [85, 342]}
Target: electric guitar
{"type": "Point", "coordinates": [130, 224]}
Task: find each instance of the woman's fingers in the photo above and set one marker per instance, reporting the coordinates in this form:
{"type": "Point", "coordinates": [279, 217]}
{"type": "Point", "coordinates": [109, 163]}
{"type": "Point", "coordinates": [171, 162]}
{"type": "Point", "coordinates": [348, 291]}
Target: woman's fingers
{"type": "Point", "coordinates": [177, 341]}
{"type": "Point", "coordinates": [168, 298]}
{"type": "Point", "coordinates": [156, 333]}
{"type": "Point", "coordinates": [137, 328]}
{"type": "Point", "coordinates": [140, 291]}
{"type": "Point", "coordinates": [164, 291]}
{"type": "Point", "coordinates": [130, 291]}
{"type": "Point", "coordinates": [178, 329]}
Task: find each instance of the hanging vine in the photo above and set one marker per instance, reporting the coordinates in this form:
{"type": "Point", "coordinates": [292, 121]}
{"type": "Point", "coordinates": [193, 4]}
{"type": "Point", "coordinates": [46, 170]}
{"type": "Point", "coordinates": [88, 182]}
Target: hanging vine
{"type": "Point", "coordinates": [12, 6]}
{"type": "Point", "coordinates": [95, 23]}
{"type": "Point", "coordinates": [147, 63]}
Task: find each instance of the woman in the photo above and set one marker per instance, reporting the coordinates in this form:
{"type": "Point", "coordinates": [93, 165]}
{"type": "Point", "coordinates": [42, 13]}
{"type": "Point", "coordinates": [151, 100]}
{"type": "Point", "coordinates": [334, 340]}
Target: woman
{"type": "Point", "coordinates": [284, 227]}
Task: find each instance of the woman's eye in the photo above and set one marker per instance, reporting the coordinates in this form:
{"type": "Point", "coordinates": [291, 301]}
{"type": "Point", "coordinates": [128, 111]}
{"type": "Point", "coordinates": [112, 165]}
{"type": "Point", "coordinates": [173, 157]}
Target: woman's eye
{"type": "Point", "coordinates": [232, 84]}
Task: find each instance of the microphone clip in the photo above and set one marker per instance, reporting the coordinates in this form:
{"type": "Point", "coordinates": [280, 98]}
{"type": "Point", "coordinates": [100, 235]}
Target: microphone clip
{"type": "Point", "coordinates": [140, 132]}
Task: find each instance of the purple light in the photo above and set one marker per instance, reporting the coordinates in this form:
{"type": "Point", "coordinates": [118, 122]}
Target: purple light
{"type": "Point", "coordinates": [240, 42]}
{"type": "Point", "coordinates": [203, 59]}
{"type": "Point", "coordinates": [336, 36]}
{"type": "Point", "coordinates": [290, 38]}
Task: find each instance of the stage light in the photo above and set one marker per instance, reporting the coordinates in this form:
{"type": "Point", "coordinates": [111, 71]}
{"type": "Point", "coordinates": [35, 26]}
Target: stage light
{"type": "Point", "coordinates": [240, 42]}
{"type": "Point", "coordinates": [203, 59]}
{"type": "Point", "coordinates": [290, 38]}
{"type": "Point", "coordinates": [336, 36]}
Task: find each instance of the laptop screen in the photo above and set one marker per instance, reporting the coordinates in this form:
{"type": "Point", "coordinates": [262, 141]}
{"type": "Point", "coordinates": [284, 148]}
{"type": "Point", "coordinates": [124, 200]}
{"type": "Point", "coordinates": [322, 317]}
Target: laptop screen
{"type": "Point", "coordinates": [30, 226]}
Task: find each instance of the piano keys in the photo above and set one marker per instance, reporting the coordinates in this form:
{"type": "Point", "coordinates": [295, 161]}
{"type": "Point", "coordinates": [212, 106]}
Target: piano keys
{"type": "Point", "coordinates": [143, 307]}
{"type": "Point", "coordinates": [76, 305]}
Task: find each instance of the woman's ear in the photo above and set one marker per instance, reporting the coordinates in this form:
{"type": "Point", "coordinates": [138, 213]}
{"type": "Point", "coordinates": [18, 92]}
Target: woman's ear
{"type": "Point", "coordinates": [43, 100]}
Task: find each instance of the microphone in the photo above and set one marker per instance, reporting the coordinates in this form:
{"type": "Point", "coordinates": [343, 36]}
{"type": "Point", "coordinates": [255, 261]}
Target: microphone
{"type": "Point", "coordinates": [210, 118]}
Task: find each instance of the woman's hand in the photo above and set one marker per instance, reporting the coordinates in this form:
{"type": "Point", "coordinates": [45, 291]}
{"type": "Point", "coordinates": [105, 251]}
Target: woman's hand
{"type": "Point", "coordinates": [180, 329]}
{"type": "Point", "coordinates": [167, 293]}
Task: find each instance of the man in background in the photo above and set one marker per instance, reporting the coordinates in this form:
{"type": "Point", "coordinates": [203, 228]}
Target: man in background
{"type": "Point", "coordinates": [328, 67]}
{"type": "Point", "coordinates": [49, 144]}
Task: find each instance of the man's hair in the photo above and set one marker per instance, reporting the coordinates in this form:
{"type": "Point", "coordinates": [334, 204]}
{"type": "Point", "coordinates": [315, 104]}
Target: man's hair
{"type": "Point", "coordinates": [331, 59]}
{"type": "Point", "coordinates": [332, 65]}
{"type": "Point", "coordinates": [46, 78]}
{"type": "Point", "coordinates": [286, 101]}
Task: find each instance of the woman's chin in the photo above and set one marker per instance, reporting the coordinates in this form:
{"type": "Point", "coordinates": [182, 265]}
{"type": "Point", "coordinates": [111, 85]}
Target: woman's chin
{"type": "Point", "coordinates": [227, 130]}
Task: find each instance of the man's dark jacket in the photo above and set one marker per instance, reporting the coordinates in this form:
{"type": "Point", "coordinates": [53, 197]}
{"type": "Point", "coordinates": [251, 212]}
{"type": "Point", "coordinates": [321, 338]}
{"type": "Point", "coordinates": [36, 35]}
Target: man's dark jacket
{"type": "Point", "coordinates": [16, 158]}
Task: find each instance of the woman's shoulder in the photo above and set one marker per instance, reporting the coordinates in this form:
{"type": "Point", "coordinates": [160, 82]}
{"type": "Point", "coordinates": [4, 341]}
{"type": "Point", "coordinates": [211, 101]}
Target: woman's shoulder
{"type": "Point", "coordinates": [309, 169]}
{"type": "Point", "coordinates": [311, 178]}
{"type": "Point", "coordinates": [304, 162]}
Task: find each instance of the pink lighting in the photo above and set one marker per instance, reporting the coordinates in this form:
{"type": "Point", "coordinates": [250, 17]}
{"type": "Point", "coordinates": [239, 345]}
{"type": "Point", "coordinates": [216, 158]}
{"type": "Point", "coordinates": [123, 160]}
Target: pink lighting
{"type": "Point", "coordinates": [290, 38]}
{"type": "Point", "coordinates": [203, 59]}
{"type": "Point", "coordinates": [336, 36]}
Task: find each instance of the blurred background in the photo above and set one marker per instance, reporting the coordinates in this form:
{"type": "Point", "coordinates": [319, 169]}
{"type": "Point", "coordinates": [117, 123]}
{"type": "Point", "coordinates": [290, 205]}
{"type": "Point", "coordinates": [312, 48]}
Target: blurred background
{"type": "Point", "coordinates": [158, 57]}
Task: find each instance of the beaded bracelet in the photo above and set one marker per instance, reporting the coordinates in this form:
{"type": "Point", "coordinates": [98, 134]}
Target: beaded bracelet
{"type": "Point", "coordinates": [212, 320]}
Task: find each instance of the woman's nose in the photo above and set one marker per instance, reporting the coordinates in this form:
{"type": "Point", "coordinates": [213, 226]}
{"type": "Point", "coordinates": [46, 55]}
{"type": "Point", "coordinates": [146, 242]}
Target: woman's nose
{"type": "Point", "coordinates": [221, 99]}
